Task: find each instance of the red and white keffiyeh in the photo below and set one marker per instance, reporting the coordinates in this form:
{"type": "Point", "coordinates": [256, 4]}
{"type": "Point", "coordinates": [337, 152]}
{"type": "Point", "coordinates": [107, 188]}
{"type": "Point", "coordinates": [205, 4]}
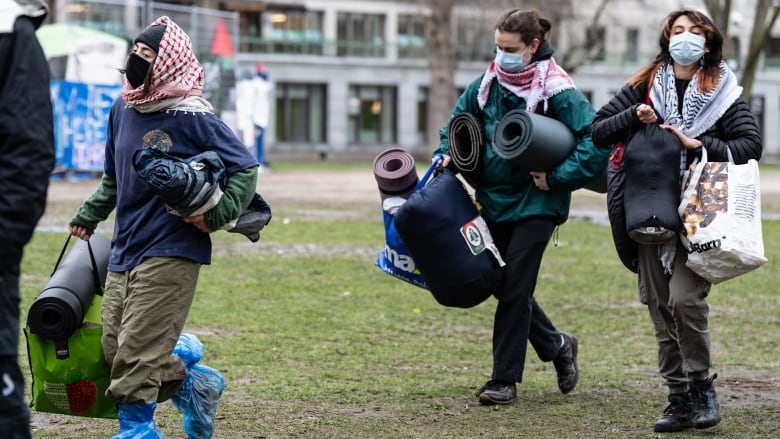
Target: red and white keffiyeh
{"type": "Point", "coordinates": [535, 83]}
{"type": "Point", "coordinates": [176, 72]}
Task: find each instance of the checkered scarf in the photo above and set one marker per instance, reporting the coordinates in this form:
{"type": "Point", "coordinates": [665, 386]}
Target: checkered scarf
{"type": "Point", "coordinates": [535, 83]}
{"type": "Point", "coordinates": [700, 111]}
{"type": "Point", "coordinates": [176, 73]}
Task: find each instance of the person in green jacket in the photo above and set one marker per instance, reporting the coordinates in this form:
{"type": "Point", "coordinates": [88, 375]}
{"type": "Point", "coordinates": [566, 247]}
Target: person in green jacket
{"type": "Point", "coordinates": [523, 206]}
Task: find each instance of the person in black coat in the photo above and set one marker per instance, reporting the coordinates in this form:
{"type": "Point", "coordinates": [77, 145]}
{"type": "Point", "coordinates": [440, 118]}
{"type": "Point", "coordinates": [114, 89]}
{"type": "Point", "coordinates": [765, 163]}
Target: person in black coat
{"type": "Point", "coordinates": [26, 161]}
{"type": "Point", "coordinates": [689, 91]}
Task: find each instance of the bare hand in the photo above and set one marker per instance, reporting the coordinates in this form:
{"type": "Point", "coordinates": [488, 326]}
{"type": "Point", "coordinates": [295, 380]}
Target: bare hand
{"type": "Point", "coordinates": [198, 221]}
{"type": "Point", "coordinates": [79, 232]}
{"type": "Point", "coordinates": [646, 114]}
{"type": "Point", "coordinates": [686, 141]}
{"type": "Point", "coordinates": [445, 161]}
{"type": "Point", "coordinates": [540, 180]}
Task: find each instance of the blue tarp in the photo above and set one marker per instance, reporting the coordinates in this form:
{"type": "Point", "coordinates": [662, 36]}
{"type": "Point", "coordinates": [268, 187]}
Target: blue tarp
{"type": "Point", "coordinates": [80, 120]}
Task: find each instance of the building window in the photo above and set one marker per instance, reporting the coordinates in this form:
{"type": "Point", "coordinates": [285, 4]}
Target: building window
{"type": "Point", "coordinates": [597, 36]}
{"type": "Point", "coordinates": [282, 31]}
{"type": "Point", "coordinates": [631, 55]}
{"type": "Point", "coordinates": [300, 112]}
{"type": "Point", "coordinates": [411, 36]}
{"type": "Point", "coordinates": [474, 39]}
{"type": "Point", "coordinates": [361, 35]}
{"type": "Point", "coordinates": [296, 31]}
{"type": "Point", "coordinates": [372, 115]}
{"type": "Point", "coordinates": [772, 52]}
{"type": "Point", "coordinates": [422, 115]}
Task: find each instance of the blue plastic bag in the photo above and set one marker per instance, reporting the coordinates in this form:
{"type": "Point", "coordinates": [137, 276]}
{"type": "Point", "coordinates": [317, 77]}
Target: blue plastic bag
{"type": "Point", "coordinates": [199, 394]}
{"type": "Point", "coordinates": [395, 259]}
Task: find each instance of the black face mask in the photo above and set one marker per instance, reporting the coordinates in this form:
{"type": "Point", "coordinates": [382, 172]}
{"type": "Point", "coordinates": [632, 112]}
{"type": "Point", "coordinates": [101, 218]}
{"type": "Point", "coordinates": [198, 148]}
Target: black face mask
{"type": "Point", "coordinates": [136, 70]}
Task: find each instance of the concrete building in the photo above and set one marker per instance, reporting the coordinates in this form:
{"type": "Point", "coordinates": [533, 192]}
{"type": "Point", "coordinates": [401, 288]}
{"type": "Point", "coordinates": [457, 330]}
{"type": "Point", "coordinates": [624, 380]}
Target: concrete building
{"type": "Point", "coordinates": [351, 77]}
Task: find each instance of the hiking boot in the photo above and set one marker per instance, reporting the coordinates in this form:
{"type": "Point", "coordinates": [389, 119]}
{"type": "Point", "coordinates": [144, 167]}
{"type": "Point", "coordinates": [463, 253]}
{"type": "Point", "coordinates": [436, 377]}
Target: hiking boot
{"type": "Point", "coordinates": [497, 392]}
{"type": "Point", "coordinates": [677, 416]}
{"type": "Point", "coordinates": [566, 364]}
{"type": "Point", "coordinates": [706, 412]}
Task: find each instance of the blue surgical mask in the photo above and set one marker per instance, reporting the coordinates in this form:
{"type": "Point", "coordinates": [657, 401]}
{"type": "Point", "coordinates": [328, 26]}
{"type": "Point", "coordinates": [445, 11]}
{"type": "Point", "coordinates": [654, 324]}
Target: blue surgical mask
{"type": "Point", "coordinates": [686, 48]}
{"type": "Point", "coordinates": [510, 62]}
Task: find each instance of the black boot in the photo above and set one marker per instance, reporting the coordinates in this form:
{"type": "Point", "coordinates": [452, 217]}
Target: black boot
{"type": "Point", "coordinates": [706, 412]}
{"type": "Point", "coordinates": [678, 415]}
{"type": "Point", "coordinates": [566, 364]}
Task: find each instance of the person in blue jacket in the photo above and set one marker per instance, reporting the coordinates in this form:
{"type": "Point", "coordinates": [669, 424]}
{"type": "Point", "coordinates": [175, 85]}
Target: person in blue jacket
{"type": "Point", "coordinates": [156, 256]}
{"type": "Point", "coordinates": [26, 162]}
{"type": "Point", "coordinates": [523, 206]}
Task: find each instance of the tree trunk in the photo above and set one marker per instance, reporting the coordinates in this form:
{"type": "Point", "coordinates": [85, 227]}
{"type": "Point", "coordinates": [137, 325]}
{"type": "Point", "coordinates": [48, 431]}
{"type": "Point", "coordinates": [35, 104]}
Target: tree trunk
{"type": "Point", "coordinates": [442, 63]}
{"type": "Point", "coordinates": [758, 37]}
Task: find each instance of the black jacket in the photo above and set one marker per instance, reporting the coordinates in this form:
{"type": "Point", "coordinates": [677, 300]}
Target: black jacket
{"type": "Point", "coordinates": [736, 129]}
{"type": "Point", "coordinates": [26, 138]}
{"type": "Point", "coordinates": [616, 121]}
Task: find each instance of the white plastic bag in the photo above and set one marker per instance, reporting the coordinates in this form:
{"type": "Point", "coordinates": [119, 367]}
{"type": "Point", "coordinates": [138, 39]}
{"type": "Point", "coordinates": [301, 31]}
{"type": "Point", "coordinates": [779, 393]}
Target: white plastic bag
{"type": "Point", "coordinates": [721, 215]}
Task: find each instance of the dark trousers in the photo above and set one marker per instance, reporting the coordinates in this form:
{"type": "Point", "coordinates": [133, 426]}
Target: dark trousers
{"type": "Point", "coordinates": [518, 317]}
{"type": "Point", "coordinates": [14, 414]}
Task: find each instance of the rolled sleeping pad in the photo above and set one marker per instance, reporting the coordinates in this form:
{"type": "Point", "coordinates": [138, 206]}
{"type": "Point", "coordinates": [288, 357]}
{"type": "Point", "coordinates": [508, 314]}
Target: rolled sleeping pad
{"type": "Point", "coordinates": [536, 142]}
{"type": "Point", "coordinates": [395, 173]}
{"type": "Point", "coordinates": [60, 307]}
{"type": "Point", "coordinates": [466, 141]}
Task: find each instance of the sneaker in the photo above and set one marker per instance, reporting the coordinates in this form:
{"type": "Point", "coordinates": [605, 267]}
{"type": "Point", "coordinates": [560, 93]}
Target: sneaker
{"type": "Point", "coordinates": [706, 412]}
{"type": "Point", "coordinates": [677, 416]}
{"type": "Point", "coordinates": [497, 392]}
{"type": "Point", "coordinates": [566, 363]}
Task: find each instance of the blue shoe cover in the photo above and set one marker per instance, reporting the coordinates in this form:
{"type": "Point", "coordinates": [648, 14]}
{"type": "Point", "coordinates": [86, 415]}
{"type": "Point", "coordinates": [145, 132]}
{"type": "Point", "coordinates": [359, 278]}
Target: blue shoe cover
{"type": "Point", "coordinates": [197, 400]}
{"type": "Point", "coordinates": [136, 421]}
{"type": "Point", "coordinates": [189, 349]}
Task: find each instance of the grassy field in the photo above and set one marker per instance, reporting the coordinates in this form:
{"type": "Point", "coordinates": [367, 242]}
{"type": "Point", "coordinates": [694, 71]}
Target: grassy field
{"type": "Point", "coordinates": [316, 342]}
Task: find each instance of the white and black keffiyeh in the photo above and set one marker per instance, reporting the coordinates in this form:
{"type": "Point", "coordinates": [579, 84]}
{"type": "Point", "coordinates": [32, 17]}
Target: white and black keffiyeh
{"type": "Point", "coordinates": [700, 110]}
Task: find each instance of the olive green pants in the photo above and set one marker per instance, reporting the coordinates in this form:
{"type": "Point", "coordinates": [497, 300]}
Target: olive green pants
{"type": "Point", "coordinates": [679, 311]}
{"type": "Point", "coordinates": [144, 311]}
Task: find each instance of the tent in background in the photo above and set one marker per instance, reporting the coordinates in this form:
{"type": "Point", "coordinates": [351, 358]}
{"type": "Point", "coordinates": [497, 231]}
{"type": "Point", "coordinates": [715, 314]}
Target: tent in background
{"type": "Point", "coordinates": [93, 57]}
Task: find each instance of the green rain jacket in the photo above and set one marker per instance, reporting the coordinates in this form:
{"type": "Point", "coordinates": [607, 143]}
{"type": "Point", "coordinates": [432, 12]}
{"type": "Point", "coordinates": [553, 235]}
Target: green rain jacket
{"type": "Point", "coordinates": [504, 190]}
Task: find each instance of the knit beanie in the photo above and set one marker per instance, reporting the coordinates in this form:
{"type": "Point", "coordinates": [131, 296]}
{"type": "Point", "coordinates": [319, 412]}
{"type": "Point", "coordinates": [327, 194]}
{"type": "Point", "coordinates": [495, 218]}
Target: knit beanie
{"type": "Point", "coordinates": [151, 36]}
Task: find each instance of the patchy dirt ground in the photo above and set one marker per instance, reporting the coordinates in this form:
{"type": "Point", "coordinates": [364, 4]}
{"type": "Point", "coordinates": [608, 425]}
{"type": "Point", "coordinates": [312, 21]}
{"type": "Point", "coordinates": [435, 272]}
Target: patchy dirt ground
{"type": "Point", "coordinates": [354, 194]}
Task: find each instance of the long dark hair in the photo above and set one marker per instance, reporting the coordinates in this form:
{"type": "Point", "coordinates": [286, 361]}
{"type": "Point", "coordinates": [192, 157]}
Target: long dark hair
{"type": "Point", "coordinates": [710, 63]}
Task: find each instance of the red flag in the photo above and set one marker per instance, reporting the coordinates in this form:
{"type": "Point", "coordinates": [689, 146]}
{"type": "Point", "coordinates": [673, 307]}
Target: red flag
{"type": "Point", "coordinates": [222, 44]}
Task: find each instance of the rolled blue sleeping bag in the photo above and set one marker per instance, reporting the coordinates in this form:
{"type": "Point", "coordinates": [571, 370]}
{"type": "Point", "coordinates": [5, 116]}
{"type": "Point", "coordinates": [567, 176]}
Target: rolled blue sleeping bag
{"type": "Point", "coordinates": [60, 307]}
{"type": "Point", "coordinates": [442, 230]}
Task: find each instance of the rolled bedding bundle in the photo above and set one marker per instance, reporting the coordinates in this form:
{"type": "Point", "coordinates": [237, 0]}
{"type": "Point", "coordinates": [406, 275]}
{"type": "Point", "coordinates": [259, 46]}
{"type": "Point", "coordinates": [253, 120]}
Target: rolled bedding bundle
{"type": "Point", "coordinates": [532, 140]}
{"type": "Point", "coordinates": [60, 307]}
{"type": "Point", "coordinates": [449, 242]}
{"type": "Point", "coordinates": [188, 186]}
{"type": "Point", "coordinates": [466, 140]}
{"type": "Point", "coordinates": [395, 174]}
{"type": "Point", "coordinates": [652, 188]}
